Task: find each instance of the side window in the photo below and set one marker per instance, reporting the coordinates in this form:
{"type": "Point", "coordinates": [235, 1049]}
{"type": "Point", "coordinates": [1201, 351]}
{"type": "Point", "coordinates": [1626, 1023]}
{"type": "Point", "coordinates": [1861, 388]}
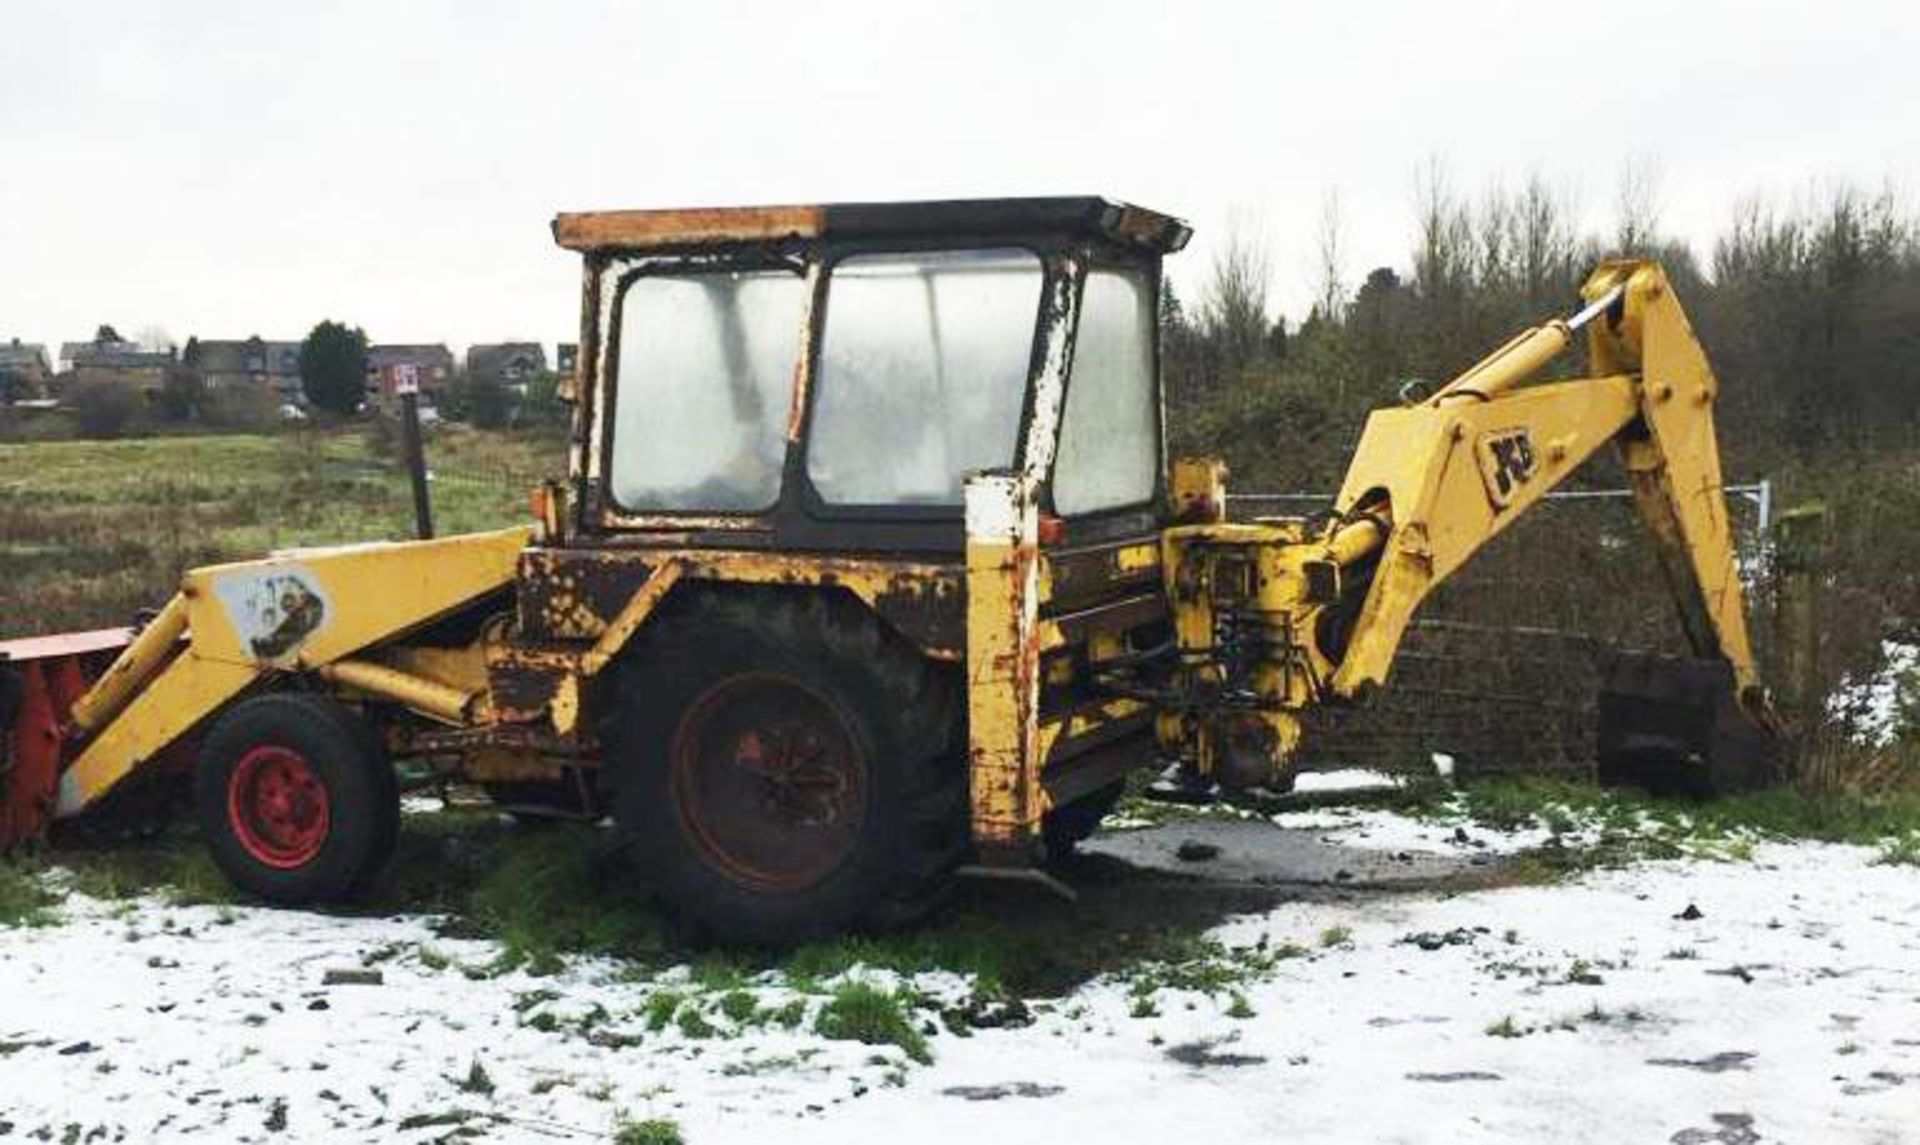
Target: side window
{"type": "Point", "coordinates": [923, 373]}
{"type": "Point", "coordinates": [1109, 443]}
{"type": "Point", "coordinates": [701, 390]}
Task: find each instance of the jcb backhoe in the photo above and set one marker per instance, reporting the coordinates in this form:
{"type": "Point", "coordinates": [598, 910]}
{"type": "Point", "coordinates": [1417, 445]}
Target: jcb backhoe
{"type": "Point", "coordinates": [868, 566]}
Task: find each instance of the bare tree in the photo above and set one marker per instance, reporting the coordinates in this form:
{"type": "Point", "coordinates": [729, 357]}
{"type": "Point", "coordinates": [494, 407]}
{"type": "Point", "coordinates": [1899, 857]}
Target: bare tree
{"type": "Point", "coordinates": [1233, 303]}
{"type": "Point", "coordinates": [1332, 295]}
{"type": "Point", "coordinates": [1637, 206]}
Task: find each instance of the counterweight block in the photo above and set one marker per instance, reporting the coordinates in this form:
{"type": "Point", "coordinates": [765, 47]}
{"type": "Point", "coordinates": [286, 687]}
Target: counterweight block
{"type": "Point", "coordinates": [1674, 726]}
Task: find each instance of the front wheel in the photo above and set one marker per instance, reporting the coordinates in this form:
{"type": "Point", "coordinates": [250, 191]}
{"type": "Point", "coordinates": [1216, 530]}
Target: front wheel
{"type": "Point", "coordinates": [296, 799]}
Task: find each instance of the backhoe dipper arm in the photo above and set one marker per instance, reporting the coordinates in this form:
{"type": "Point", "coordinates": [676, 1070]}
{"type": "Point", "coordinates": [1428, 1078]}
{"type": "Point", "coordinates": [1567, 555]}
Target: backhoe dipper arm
{"type": "Point", "coordinates": [1281, 616]}
{"type": "Point", "coordinates": [1450, 473]}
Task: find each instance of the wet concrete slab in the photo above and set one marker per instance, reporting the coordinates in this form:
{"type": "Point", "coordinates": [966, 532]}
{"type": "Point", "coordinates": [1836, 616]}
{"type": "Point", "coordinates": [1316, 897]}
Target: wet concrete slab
{"type": "Point", "coordinates": [1254, 851]}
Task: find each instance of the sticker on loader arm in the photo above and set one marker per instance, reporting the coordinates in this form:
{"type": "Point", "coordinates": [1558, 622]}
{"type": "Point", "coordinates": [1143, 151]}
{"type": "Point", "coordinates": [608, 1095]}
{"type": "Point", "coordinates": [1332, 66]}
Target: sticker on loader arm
{"type": "Point", "coordinates": [273, 610]}
{"type": "Point", "coordinates": [1506, 462]}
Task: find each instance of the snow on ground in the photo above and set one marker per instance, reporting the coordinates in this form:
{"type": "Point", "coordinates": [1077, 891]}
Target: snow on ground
{"type": "Point", "coordinates": [1691, 1001]}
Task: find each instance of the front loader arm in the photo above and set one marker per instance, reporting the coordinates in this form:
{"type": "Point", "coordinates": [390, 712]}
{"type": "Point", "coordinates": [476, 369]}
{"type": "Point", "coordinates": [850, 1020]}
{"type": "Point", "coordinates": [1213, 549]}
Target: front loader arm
{"type": "Point", "coordinates": [1275, 618]}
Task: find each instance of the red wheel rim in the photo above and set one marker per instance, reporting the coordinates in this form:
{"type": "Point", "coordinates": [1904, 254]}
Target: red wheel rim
{"type": "Point", "coordinates": [278, 807]}
{"type": "Point", "coordinates": [768, 782]}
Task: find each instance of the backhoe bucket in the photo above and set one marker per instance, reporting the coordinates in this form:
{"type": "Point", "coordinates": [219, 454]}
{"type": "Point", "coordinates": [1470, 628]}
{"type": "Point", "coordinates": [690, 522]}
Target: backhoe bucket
{"type": "Point", "coordinates": [1674, 726]}
{"type": "Point", "coordinates": [40, 678]}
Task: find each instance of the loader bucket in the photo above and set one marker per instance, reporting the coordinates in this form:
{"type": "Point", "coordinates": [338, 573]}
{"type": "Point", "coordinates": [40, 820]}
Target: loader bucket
{"type": "Point", "coordinates": [1675, 726]}
{"type": "Point", "coordinates": [40, 678]}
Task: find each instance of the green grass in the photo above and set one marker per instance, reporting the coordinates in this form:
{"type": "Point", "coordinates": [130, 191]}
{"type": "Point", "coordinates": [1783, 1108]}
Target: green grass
{"type": "Point", "coordinates": [24, 897]}
{"type": "Point", "coordinates": [654, 1131]}
{"type": "Point", "coordinates": [861, 1012]}
{"type": "Point", "coordinates": [92, 531]}
{"type": "Point", "coordinates": [1627, 825]}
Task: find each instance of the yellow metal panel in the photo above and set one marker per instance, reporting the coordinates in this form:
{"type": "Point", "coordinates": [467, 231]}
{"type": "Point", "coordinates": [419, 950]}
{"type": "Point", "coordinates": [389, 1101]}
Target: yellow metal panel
{"type": "Point", "coordinates": [1005, 746]}
{"type": "Point", "coordinates": [306, 608]}
{"type": "Point", "coordinates": [169, 705]}
{"type": "Point", "coordinates": [116, 685]}
{"type": "Point", "coordinates": [1423, 459]}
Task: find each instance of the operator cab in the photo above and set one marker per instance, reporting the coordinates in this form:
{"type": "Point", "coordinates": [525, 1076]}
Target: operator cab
{"type": "Point", "coordinates": [830, 377]}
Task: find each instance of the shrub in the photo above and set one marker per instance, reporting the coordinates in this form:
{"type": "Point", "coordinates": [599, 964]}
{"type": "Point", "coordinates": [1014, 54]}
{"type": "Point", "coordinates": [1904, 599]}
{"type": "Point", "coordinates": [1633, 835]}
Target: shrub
{"type": "Point", "coordinates": [105, 409]}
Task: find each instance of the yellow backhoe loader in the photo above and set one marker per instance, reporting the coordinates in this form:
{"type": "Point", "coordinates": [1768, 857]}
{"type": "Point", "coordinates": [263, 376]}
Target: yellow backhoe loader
{"type": "Point", "coordinates": [868, 566]}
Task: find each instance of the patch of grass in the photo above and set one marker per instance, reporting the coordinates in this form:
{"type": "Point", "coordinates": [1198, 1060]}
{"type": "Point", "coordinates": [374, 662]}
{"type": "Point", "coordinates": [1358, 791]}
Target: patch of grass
{"type": "Point", "coordinates": [1207, 966]}
{"type": "Point", "coordinates": [541, 894]}
{"type": "Point", "coordinates": [1903, 851]}
{"type": "Point", "coordinates": [693, 1023]}
{"type": "Point", "coordinates": [1505, 1028]}
{"type": "Point", "coordinates": [740, 1006]}
{"type": "Point", "coordinates": [653, 1131]}
{"type": "Point", "coordinates": [24, 897]}
{"type": "Point", "coordinates": [861, 1012]}
{"type": "Point", "coordinates": [478, 1080]}
{"type": "Point", "coordinates": [1335, 936]}
{"type": "Point", "coordinates": [660, 1009]}
{"type": "Point", "coordinates": [91, 531]}
{"type": "Point", "coordinates": [1783, 812]}
{"type": "Point", "coordinates": [174, 862]}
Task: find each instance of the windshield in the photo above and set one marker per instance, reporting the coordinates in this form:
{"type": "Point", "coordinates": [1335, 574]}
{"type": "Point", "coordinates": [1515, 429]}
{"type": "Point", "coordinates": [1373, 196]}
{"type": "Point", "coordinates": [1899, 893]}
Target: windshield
{"type": "Point", "coordinates": [702, 389]}
{"type": "Point", "coordinates": [923, 373]}
{"type": "Point", "coordinates": [1109, 435]}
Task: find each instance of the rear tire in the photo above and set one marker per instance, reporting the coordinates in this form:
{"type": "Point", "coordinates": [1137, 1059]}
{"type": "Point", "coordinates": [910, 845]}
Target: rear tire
{"type": "Point", "coordinates": [296, 799]}
{"type": "Point", "coordinates": [786, 769]}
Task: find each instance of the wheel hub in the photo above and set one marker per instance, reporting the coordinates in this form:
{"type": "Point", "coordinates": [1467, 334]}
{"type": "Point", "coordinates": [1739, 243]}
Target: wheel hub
{"type": "Point", "coordinates": [279, 808]}
{"type": "Point", "coordinates": [769, 782]}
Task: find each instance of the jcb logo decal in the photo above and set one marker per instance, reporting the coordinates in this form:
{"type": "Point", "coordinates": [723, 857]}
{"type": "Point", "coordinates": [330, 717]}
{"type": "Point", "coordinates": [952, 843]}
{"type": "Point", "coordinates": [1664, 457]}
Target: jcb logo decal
{"type": "Point", "coordinates": [1506, 462]}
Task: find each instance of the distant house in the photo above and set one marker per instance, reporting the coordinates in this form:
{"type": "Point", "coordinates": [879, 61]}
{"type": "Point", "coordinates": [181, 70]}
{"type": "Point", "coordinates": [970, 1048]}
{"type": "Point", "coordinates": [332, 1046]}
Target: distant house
{"type": "Point", "coordinates": [512, 364]}
{"type": "Point", "coordinates": [24, 371]}
{"type": "Point", "coordinates": [116, 362]}
{"type": "Point", "coordinates": [252, 362]}
{"type": "Point", "coordinates": [432, 364]}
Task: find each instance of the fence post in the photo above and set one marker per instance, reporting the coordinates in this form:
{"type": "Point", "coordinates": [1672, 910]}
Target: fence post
{"type": "Point", "coordinates": [1800, 542]}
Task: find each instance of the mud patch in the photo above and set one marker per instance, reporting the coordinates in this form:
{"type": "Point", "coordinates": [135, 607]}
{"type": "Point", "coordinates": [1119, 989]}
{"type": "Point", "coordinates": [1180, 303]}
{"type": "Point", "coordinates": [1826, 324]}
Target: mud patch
{"type": "Point", "coordinates": [1204, 1053]}
{"type": "Point", "coordinates": [1718, 1063]}
{"type": "Point", "coordinates": [1729, 1129]}
{"type": "Point", "coordinates": [1003, 1090]}
{"type": "Point", "coordinates": [1455, 1075]}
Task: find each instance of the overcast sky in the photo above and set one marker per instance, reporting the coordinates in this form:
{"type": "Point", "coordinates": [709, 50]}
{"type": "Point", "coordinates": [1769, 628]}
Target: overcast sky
{"type": "Point", "coordinates": [225, 168]}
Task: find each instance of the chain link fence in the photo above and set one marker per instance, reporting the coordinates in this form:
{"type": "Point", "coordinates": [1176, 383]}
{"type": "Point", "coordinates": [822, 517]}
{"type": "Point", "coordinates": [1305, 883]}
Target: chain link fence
{"type": "Point", "coordinates": [1502, 670]}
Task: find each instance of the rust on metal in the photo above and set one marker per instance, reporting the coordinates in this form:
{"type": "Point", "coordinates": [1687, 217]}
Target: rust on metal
{"type": "Point", "coordinates": [768, 781]}
{"type": "Point", "coordinates": [639, 230]}
{"type": "Point", "coordinates": [576, 594]}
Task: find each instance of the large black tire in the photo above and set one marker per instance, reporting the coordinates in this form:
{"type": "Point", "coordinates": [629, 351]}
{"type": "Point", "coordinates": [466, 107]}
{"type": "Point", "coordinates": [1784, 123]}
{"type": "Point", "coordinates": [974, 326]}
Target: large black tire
{"type": "Point", "coordinates": [785, 769]}
{"type": "Point", "coordinates": [296, 799]}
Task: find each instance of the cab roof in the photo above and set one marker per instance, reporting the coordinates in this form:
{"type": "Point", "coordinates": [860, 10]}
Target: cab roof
{"type": "Point", "coordinates": [960, 218]}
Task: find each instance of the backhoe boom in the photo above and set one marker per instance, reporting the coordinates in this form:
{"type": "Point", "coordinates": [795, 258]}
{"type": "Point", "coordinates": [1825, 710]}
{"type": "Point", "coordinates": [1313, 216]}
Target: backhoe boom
{"type": "Point", "coordinates": [1429, 485]}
